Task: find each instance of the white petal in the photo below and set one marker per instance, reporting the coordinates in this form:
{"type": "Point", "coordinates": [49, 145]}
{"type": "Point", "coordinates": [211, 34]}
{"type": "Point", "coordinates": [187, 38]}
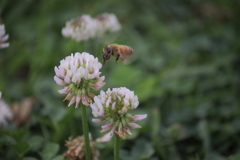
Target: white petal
{"type": "Point", "coordinates": [98, 120]}
{"type": "Point", "coordinates": [59, 81]}
{"type": "Point", "coordinates": [78, 99]}
{"type": "Point", "coordinates": [138, 117]}
{"type": "Point", "coordinates": [134, 125]}
{"type": "Point", "coordinates": [65, 90]}
{"type": "Point", "coordinates": [73, 100]}
{"type": "Point", "coordinates": [106, 137]}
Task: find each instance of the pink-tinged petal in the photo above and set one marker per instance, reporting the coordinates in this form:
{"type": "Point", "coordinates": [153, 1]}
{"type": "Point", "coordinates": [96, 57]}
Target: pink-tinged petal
{"type": "Point", "coordinates": [127, 130]}
{"type": "Point", "coordinates": [106, 126]}
{"type": "Point", "coordinates": [94, 110]}
{"type": "Point", "coordinates": [91, 95]}
{"type": "Point", "coordinates": [78, 99]}
{"type": "Point", "coordinates": [57, 71]}
{"type": "Point", "coordinates": [123, 110]}
{"type": "Point", "coordinates": [99, 106]}
{"type": "Point", "coordinates": [138, 117]}
{"type": "Point", "coordinates": [69, 96]}
{"type": "Point", "coordinates": [96, 73]}
{"type": "Point", "coordinates": [67, 79]}
{"type": "Point", "coordinates": [109, 100]}
{"type": "Point", "coordinates": [113, 105]}
{"type": "Point", "coordinates": [98, 120]}
{"type": "Point", "coordinates": [97, 85]}
{"type": "Point", "coordinates": [64, 91]}
{"type": "Point", "coordinates": [89, 100]}
{"type": "Point", "coordinates": [4, 45]}
{"type": "Point", "coordinates": [86, 100]}
{"type": "Point", "coordinates": [105, 138]}
{"type": "Point", "coordinates": [134, 125]}
{"type": "Point", "coordinates": [112, 130]}
{"type": "Point", "coordinates": [73, 100]}
{"type": "Point", "coordinates": [2, 39]}
{"type": "Point", "coordinates": [62, 72]}
{"type": "Point", "coordinates": [101, 78]}
{"type": "Point", "coordinates": [59, 81]}
{"type": "Point", "coordinates": [104, 130]}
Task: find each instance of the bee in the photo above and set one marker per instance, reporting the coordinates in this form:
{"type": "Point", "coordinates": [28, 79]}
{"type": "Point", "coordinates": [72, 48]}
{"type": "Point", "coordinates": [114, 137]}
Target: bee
{"type": "Point", "coordinates": [116, 50]}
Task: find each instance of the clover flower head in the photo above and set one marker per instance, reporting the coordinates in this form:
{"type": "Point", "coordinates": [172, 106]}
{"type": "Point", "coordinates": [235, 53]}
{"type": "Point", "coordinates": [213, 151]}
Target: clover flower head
{"type": "Point", "coordinates": [80, 28]}
{"type": "Point", "coordinates": [76, 149]}
{"type": "Point", "coordinates": [113, 106]}
{"type": "Point", "coordinates": [3, 37]}
{"type": "Point", "coordinates": [79, 73]}
{"type": "Point", "coordinates": [107, 22]}
{"type": "Point", "coordinates": [5, 112]}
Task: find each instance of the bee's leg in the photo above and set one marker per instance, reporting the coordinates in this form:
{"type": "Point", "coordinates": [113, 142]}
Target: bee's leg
{"type": "Point", "coordinates": [117, 57]}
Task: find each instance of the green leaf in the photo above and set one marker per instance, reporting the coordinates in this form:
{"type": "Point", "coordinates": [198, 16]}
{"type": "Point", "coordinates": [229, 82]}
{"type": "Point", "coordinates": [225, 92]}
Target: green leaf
{"type": "Point", "coordinates": [57, 114]}
{"type": "Point", "coordinates": [7, 139]}
{"type": "Point", "coordinates": [142, 149]}
{"type": "Point", "coordinates": [35, 141]}
{"type": "Point", "coordinates": [60, 157]}
{"type": "Point", "coordinates": [29, 158]}
{"type": "Point", "coordinates": [18, 134]}
{"type": "Point", "coordinates": [21, 148]}
{"type": "Point", "coordinates": [49, 151]}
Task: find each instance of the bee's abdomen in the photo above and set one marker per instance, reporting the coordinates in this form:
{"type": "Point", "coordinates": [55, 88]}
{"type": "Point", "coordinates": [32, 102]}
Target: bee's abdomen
{"type": "Point", "coordinates": [126, 49]}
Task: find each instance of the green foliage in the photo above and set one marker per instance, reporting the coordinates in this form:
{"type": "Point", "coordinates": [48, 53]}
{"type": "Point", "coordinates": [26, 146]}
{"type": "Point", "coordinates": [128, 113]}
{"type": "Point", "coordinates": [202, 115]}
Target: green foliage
{"type": "Point", "coordinates": [21, 148]}
{"type": "Point", "coordinates": [141, 150]}
{"type": "Point", "coordinates": [185, 71]}
{"type": "Point", "coordinates": [49, 151]}
{"type": "Point", "coordinates": [29, 158]}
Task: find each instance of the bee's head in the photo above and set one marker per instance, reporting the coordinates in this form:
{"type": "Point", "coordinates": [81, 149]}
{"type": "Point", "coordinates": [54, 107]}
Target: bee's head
{"type": "Point", "coordinates": [107, 52]}
{"type": "Point", "coordinates": [105, 57]}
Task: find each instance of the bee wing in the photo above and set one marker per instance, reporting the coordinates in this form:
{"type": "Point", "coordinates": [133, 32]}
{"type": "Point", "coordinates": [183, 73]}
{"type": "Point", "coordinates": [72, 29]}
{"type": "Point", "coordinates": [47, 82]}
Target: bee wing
{"type": "Point", "coordinates": [122, 56]}
{"type": "Point", "coordinates": [130, 59]}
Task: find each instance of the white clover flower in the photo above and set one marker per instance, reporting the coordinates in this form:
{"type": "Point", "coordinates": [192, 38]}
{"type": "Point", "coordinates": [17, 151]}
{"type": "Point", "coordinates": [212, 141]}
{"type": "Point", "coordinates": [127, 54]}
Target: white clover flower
{"type": "Point", "coordinates": [5, 112]}
{"type": "Point", "coordinates": [112, 107]}
{"type": "Point", "coordinates": [107, 23]}
{"type": "Point", "coordinates": [79, 73]}
{"type": "Point", "coordinates": [80, 28]}
{"type": "Point", "coordinates": [3, 37]}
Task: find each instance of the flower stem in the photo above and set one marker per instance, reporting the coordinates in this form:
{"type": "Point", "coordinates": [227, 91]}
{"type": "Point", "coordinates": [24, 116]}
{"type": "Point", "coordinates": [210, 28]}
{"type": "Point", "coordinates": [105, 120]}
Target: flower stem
{"type": "Point", "coordinates": [116, 146]}
{"type": "Point", "coordinates": [85, 132]}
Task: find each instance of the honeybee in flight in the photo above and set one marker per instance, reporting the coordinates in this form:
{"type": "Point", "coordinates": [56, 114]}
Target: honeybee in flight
{"type": "Point", "coordinates": [116, 50]}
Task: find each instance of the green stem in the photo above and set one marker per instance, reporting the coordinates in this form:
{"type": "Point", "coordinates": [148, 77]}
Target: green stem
{"type": "Point", "coordinates": [116, 146]}
{"type": "Point", "coordinates": [85, 132]}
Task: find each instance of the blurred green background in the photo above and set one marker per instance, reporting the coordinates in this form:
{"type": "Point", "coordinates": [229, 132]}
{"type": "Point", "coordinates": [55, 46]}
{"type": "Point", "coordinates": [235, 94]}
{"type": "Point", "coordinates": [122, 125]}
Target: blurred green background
{"type": "Point", "coordinates": [185, 72]}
